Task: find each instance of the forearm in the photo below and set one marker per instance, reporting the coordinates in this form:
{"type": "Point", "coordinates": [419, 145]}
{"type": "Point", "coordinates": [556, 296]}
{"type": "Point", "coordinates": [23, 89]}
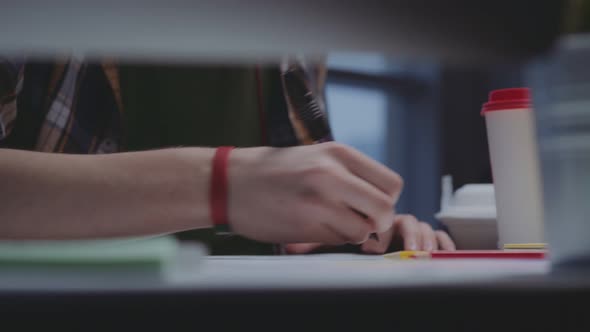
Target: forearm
{"type": "Point", "coordinates": [125, 194]}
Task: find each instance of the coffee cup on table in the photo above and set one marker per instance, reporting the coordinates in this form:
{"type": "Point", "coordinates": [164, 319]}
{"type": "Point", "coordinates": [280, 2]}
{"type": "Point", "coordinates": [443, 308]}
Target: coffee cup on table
{"type": "Point", "coordinates": [512, 141]}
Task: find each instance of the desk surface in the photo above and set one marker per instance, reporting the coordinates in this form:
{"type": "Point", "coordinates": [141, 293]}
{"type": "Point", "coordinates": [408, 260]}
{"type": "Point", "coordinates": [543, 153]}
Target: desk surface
{"type": "Point", "coordinates": [195, 271]}
{"type": "Point", "coordinates": [342, 290]}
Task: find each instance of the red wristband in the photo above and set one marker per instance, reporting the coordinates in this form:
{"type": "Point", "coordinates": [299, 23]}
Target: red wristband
{"type": "Point", "coordinates": [218, 193]}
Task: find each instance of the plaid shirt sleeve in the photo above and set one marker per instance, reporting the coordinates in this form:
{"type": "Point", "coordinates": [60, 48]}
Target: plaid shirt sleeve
{"type": "Point", "coordinates": [11, 81]}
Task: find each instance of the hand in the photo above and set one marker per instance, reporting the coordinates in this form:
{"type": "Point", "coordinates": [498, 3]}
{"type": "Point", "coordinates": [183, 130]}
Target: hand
{"type": "Point", "coordinates": [416, 235]}
{"type": "Point", "coordinates": [310, 194]}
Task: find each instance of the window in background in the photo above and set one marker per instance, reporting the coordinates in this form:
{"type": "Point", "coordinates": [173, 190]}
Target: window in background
{"type": "Point", "coordinates": [387, 110]}
{"type": "Point", "coordinates": [359, 118]}
{"type": "Point", "coordinates": [367, 63]}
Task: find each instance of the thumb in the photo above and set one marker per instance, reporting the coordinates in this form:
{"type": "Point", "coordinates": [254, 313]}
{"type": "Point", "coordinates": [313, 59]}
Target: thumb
{"type": "Point", "coordinates": [301, 248]}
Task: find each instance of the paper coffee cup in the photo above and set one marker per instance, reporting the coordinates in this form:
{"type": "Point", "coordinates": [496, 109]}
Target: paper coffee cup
{"type": "Point", "coordinates": [515, 166]}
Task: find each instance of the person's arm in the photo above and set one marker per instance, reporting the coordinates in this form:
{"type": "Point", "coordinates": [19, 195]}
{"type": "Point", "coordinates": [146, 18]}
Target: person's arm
{"type": "Point", "coordinates": [406, 233]}
{"type": "Point", "coordinates": [47, 196]}
{"type": "Point", "coordinates": [310, 122]}
{"type": "Point", "coordinates": [282, 195]}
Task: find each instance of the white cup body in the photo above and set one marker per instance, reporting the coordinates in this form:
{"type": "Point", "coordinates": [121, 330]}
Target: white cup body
{"type": "Point", "coordinates": [516, 176]}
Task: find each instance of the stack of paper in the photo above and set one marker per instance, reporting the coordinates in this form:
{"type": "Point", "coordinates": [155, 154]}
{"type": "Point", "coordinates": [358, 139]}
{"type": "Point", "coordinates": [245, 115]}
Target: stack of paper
{"type": "Point", "coordinates": [126, 251]}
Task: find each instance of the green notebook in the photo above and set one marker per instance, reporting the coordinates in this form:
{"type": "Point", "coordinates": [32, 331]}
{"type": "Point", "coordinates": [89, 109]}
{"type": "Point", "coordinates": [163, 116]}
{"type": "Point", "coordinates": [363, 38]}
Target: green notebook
{"type": "Point", "coordinates": [118, 251]}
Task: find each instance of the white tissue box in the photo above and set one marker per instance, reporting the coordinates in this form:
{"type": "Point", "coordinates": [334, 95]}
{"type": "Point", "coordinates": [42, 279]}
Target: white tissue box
{"type": "Point", "coordinates": [470, 216]}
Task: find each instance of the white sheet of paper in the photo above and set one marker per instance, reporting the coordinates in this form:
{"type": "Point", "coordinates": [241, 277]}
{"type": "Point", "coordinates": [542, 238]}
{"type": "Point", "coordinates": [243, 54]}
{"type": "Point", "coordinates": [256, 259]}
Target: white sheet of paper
{"type": "Point", "coordinates": [322, 271]}
{"type": "Point", "coordinates": [348, 270]}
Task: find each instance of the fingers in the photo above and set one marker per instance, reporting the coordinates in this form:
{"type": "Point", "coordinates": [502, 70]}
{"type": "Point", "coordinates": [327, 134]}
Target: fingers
{"type": "Point", "coordinates": [409, 229]}
{"type": "Point", "coordinates": [444, 241]}
{"type": "Point", "coordinates": [362, 197]}
{"type": "Point", "coordinates": [369, 170]}
{"type": "Point", "coordinates": [419, 235]}
{"type": "Point", "coordinates": [416, 235]}
{"type": "Point", "coordinates": [429, 241]}
{"type": "Point", "coordinates": [378, 245]}
{"type": "Point", "coordinates": [327, 222]}
{"type": "Point", "coordinates": [346, 225]}
{"type": "Point", "coordinates": [301, 248]}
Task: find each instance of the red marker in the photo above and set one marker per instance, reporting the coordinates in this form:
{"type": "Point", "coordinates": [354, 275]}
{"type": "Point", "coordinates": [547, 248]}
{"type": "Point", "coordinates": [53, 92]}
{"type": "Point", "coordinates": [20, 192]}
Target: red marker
{"type": "Point", "coordinates": [475, 254]}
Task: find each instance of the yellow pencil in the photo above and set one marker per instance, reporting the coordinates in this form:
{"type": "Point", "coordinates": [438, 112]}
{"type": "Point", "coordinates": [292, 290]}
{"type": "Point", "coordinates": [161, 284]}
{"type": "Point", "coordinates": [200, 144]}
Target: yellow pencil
{"type": "Point", "coordinates": [525, 246]}
{"type": "Point", "coordinates": [407, 254]}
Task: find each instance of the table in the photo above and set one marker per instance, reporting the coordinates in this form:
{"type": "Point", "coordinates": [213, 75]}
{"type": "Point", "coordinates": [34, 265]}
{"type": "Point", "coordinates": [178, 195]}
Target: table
{"type": "Point", "coordinates": [345, 291]}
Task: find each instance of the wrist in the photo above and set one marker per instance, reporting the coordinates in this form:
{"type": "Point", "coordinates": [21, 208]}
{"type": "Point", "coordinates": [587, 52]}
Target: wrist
{"type": "Point", "coordinates": [243, 164]}
{"type": "Point", "coordinates": [219, 188]}
{"type": "Point", "coordinates": [241, 159]}
{"type": "Point", "coordinates": [191, 167]}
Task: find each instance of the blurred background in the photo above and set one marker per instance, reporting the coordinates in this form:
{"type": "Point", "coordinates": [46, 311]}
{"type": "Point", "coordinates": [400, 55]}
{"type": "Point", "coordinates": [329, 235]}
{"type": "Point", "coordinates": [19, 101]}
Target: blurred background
{"type": "Point", "coordinates": [405, 84]}
{"type": "Point", "coordinates": [421, 118]}
{"type": "Point", "coordinates": [421, 115]}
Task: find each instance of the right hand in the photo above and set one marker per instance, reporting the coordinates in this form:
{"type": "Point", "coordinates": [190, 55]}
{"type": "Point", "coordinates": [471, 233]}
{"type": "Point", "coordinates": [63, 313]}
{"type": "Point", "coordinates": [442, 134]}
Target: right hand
{"type": "Point", "coordinates": [313, 193]}
{"type": "Point", "coordinates": [407, 233]}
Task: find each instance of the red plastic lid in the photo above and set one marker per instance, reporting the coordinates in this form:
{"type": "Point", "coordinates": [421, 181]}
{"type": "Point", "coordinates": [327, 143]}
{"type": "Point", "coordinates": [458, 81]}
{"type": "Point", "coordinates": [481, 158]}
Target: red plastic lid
{"type": "Point", "coordinates": [506, 99]}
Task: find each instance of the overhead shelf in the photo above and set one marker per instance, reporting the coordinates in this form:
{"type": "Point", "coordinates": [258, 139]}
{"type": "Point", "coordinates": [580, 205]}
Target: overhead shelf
{"type": "Point", "coordinates": [255, 30]}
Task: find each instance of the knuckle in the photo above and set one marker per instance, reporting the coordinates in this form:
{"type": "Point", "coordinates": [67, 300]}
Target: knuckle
{"type": "Point", "coordinates": [312, 177]}
{"type": "Point", "coordinates": [382, 205]}
{"type": "Point", "coordinates": [398, 180]}
{"type": "Point", "coordinates": [337, 149]}
{"type": "Point", "coordinates": [359, 237]}
{"type": "Point", "coordinates": [397, 184]}
{"type": "Point", "coordinates": [323, 175]}
{"type": "Point", "coordinates": [409, 219]}
{"type": "Point", "coordinates": [412, 228]}
{"type": "Point", "coordinates": [387, 222]}
{"type": "Point", "coordinates": [385, 204]}
{"type": "Point", "coordinates": [400, 217]}
{"type": "Point", "coordinates": [319, 169]}
{"type": "Point", "coordinates": [426, 226]}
